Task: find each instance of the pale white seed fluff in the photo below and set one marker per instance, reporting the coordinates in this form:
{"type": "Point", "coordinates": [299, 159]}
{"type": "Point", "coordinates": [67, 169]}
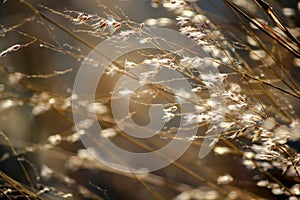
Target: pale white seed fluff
{"type": "Point", "coordinates": [108, 133]}
{"type": "Point", "coordinates": [224, 179]}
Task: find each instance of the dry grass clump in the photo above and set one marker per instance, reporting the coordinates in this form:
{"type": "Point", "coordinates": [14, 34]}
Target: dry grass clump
{"type": "Point", "coordinates": [254, 47]}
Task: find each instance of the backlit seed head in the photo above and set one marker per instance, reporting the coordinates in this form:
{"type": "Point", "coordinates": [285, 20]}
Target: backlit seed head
{"type": "Point", "coordinates": [14, 47]}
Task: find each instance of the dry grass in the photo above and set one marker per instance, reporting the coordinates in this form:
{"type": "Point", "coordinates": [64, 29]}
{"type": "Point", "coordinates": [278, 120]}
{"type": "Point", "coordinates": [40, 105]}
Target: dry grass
{"type": "Point", "coordinates": [254, 47]}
